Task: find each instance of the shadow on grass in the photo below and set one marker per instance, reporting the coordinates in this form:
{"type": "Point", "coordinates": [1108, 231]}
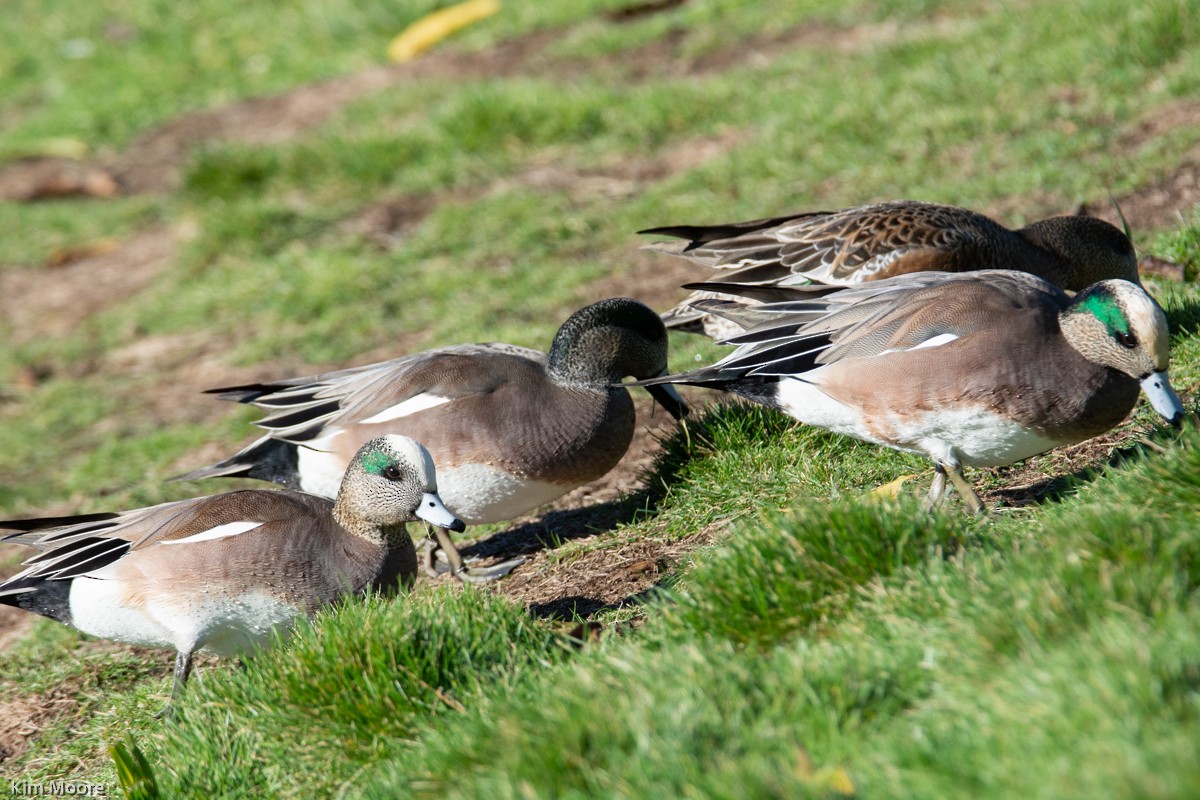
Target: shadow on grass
{"type": "Point", "coordinates": [1183, 318]}
{"type": "Point", "coordinates": [607, 580]}
{"type": "Point", "coordinates": [581, 607]}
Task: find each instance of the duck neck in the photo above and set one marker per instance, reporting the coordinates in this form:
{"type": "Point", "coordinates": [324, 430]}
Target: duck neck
{"type": "Point", "coordinates": [583, 360]}
{"type": "Point", "coordinates": [1049, 263]}
{"type": "Point", "coordinates": [384, 535]}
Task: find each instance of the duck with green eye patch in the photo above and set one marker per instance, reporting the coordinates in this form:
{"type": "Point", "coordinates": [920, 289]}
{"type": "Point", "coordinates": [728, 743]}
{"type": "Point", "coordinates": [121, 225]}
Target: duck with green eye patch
{"type": "Point", "coordinates": [974, 369]}
{"type": "Point", "coordinates": [222, 573]}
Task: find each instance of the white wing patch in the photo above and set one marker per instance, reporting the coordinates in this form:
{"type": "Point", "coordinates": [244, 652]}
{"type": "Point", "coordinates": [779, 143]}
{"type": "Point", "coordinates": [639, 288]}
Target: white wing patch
{"type": "Point", "coordinates": [219, 532]}
{"type": "Point", "coordinates": [410, 406]}
{"type": "Point", "coordinates": [933, 341]}
{"type": "Point", "coordinates": [937, 341]}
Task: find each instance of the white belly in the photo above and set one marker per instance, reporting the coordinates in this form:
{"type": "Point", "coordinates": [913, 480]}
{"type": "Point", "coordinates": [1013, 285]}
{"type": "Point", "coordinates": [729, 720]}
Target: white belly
{"type": "Point", "coordinates": [477, 494]}
{"type": "Point", "coordinates": [217, 624]}
{"type": "Point", "coordinates": [970, 437]}
{"type": "Point", "coordinates": [973, 438]}
{"type": "Point", "coordinates": [96, 609]}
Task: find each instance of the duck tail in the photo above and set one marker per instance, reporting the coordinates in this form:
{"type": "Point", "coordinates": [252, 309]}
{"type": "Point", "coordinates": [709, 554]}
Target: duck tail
{"type": "Point", "coordinates": [266, 459]}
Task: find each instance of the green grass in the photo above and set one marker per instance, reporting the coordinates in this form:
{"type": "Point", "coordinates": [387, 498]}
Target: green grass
{"type": "Point", "coordinates": [825, 638]}
{"type": "Point", "coordinates": [921, 656]}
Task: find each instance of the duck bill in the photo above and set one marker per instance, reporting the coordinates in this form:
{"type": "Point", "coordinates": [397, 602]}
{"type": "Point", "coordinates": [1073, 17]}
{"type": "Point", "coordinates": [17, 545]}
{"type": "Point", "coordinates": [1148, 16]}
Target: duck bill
{"type": "Point", "coordinates": [668, 397]}
{"type": "Point", "coordinates": [1158, 390]}
{"type": "Point", "coordinates": [433, 511]}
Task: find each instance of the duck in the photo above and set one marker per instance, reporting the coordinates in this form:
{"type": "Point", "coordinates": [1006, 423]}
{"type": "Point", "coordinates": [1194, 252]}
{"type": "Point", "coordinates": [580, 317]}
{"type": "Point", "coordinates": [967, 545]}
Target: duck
{"type": "Point", "coordinates": [222, 573]}
{"type": "Point", "coordinates": [972, 369]}
{"type": "Point", "coordinates": [798, 255]}
{"type": "Point", "coordinates": [510, 428]}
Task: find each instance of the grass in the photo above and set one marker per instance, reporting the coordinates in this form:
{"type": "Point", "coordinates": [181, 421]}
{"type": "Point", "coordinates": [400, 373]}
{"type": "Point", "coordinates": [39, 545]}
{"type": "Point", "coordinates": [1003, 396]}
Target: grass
{"type": "Point", "coordinates": [827, 642]}
{"type": "Point", "coordinates": [859, 641]}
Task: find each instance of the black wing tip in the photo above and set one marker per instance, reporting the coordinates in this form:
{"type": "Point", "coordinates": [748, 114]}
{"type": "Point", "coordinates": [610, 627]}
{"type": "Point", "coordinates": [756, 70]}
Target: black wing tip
{"type": "Point", "coordinates": [19, 526]}
{"type": "Point", "coordinates": [678, 231]}
{"type": "Point", "coordinates": [245, 393]}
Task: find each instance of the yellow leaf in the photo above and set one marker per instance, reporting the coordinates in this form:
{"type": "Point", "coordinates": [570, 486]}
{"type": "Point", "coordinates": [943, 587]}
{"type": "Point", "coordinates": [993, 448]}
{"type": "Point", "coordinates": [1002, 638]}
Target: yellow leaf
{"type": "Point", "coordinates": [61, 256]}
{"type": "Point", "coordinates": [432, 28]}
{"type": "Point", "coordinates": [837, 780]}
{"type": "Point", "coordinates": [892, 488]}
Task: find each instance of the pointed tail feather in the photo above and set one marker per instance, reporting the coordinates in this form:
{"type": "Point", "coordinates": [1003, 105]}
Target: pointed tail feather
{"type": "Point", "coordinates": [266, 459]}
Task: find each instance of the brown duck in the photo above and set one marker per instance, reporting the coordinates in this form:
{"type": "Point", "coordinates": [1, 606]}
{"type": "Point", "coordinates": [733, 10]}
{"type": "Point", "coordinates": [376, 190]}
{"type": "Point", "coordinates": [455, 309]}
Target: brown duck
{"type": "Point", "coordinates": [220, 573]}
{"type": "Point", "coordinates": [766, 259]}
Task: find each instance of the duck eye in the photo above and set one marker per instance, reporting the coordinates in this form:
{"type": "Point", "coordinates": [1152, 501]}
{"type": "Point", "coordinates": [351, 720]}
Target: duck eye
{"type": "Point", "coordinates": [1127, 340]}
{"type": "Point", "coordinates": [391, 472]}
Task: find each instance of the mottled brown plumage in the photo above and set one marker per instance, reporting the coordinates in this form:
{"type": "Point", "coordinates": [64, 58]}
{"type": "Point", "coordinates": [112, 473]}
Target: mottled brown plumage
{"type": "Point", "coordinates": [761, 259]}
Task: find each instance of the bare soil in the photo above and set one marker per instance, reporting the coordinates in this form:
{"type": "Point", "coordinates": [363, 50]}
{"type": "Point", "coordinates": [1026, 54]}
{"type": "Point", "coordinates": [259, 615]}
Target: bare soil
{"type": "Point", "coordinates": [24, 717]}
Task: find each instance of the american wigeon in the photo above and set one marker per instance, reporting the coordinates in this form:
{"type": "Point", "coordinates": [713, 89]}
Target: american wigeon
{"type": "Point", "coordinates": [508, 427]}
{"type": "Point", "coordinates": [874, 242]}
{"type": "Point", "coordinates": [220, 573]}
{"type": "Point", "coordinates": [970, 369]}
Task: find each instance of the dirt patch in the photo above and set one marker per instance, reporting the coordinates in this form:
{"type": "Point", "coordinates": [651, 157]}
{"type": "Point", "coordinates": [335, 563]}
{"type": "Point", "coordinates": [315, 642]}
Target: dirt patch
{"type": "Point", "coordinates": [23, 718]}
{"type": "Point", "coordinates": [387, 223]}
{"type": "Point", "coordinates": [1181, 113]}
{"type": "Point", "coordinates": [674, 54]}
{"type": "Point", "coordinates": [599, 580]}
{"type": "Point", "coordinates": [33, 179]}
{"type": "Point", "coordinates": [153, 162]}
{"type": "Point", "coordinates": [1166, 203]}
{"type": "Point", "coordinates": [38, 302]}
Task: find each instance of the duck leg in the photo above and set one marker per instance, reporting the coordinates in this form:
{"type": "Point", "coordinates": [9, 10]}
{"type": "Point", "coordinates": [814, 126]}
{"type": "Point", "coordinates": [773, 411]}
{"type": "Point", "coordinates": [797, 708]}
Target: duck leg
{"type": "Point", "coordinates": [937, 490]}
{"type": "Point", "coordinates": [183, 668]}
{"type": "Point", "coordinates": [970, 499]}
{"type": "Point", "coordinates": [440, 540]}
{"type": "Point", "coordinates": [429, 552]}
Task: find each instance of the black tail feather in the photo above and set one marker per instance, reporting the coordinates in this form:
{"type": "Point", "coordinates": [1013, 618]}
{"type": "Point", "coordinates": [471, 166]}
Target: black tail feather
{"type": "Point", "coordinates": [246, 393]}
{"type": "Point", "coordinates": [40, 523]}
{"type": "Point", "coordinates": [266, 459]}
